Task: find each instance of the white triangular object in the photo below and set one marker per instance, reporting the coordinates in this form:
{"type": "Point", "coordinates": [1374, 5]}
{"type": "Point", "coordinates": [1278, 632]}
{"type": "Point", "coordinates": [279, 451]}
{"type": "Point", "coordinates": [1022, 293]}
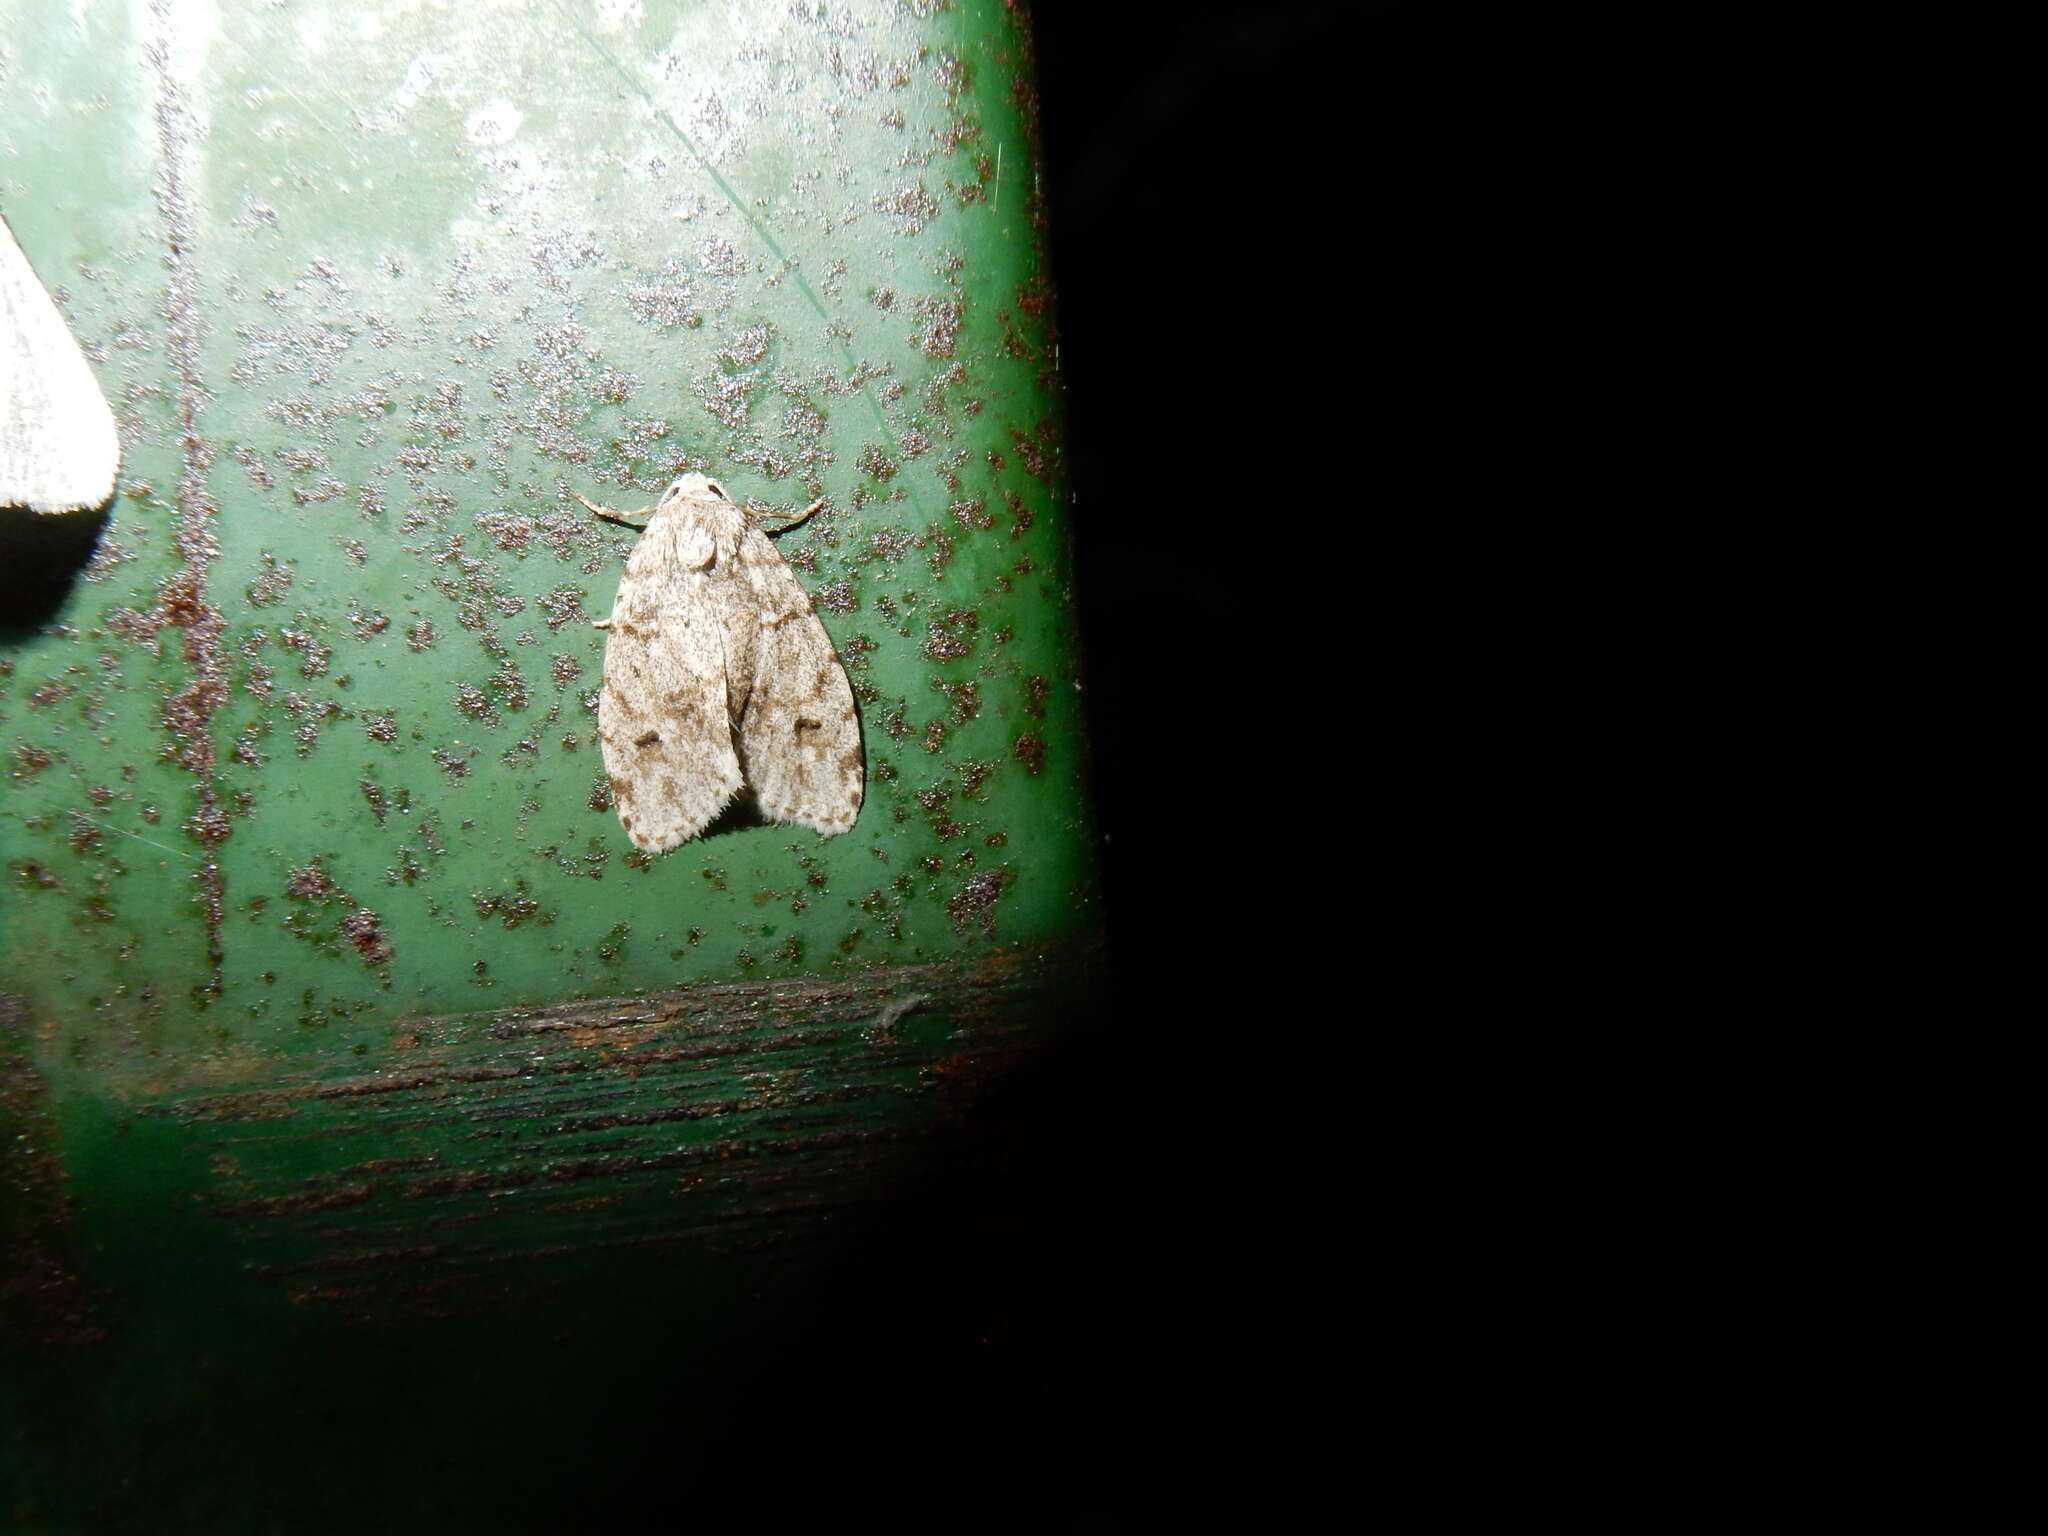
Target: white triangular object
{"type": "Point", "coordinates": [59, 451]}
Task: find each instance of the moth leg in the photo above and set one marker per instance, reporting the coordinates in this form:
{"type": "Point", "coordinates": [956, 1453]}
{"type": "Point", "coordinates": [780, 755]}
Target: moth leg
{"type": "Point", "coordinates": [611, 516]}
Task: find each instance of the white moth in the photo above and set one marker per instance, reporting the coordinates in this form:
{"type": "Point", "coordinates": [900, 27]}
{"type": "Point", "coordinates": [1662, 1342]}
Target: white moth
{"type": "Point", "coordinates": [719, 678]}
{"type": "Point", "coordinates": [59, 451]}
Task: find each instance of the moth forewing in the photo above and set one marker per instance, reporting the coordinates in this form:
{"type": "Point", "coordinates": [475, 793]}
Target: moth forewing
{"type": "Point", "coordinates": [718, 677]}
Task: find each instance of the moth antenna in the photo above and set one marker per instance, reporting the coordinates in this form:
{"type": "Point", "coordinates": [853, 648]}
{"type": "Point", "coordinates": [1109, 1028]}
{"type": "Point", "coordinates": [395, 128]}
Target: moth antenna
{"type": "Point", "coordinates": [794, 517]}
{"type": "Point", "coordinates": [611, 516]}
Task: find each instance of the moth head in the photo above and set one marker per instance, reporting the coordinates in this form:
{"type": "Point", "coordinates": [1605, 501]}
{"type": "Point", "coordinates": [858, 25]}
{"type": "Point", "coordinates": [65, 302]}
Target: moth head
{"type": "Point", "coordinates": [694, 487]}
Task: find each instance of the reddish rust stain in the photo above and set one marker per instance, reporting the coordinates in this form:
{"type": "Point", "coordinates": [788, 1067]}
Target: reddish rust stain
{"type": "Point", "coordinates": [975, 901]}
{"type": "Point", "coordinates": [179, 600]}
{"type": "Point", "coordinates": [362, 929]}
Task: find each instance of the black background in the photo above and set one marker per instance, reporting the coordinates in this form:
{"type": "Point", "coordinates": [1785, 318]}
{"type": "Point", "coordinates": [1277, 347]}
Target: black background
{"type": "Point", "coordinates": [1500, 1105]}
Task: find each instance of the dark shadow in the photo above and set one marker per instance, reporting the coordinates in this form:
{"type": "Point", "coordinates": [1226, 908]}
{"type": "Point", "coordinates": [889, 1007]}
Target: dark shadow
{"type": "Point", "coordinates": [743, 812]}
{"type": "Point", "coordinates": [41, 555]}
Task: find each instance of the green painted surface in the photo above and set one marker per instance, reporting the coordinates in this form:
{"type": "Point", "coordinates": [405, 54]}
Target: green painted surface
{"type": "Point", "coordinates": [306, 840]}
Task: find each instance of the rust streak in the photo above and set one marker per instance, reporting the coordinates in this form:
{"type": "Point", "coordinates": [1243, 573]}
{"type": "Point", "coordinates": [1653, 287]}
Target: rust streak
{"type": "Point", "coordinates": [183, 602]}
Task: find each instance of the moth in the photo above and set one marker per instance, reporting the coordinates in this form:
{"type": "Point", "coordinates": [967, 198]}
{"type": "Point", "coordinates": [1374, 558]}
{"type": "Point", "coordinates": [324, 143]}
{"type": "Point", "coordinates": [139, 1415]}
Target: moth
{"type": "Point", "coordinates": [59, 450]}
{"type": "Point", "coordinates": [719, 679]}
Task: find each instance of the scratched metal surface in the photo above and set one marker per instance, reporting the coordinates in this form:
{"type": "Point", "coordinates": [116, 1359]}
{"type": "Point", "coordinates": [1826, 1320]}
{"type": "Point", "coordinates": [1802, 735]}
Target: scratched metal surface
{"type": "Point", "coordinates": [331, 981]}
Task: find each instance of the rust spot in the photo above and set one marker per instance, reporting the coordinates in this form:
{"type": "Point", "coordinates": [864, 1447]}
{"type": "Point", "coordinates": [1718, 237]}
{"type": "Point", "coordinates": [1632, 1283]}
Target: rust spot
{"type": "Point", "coordinates": [85, 833]}
{"type": "Point", "coordinates": [951, 635]}
{"type": "Point", "coordinates": [470, 700]}
{"type": "Point", "coordinates": [362, 929]}
{"type": "Point", "coordinates": [1034, 297]}
{"type": "Point", "coordinates": [964, 699]}
{"type": "Point", "coordinates": [975, 902]}
{"type": "Point", "coordinates": [1021, 515]}
{"type": "Point", "coordinates": [1029, 749]}
{"type": "Point", "coordinates": [1029, 453]}
{"type": "Point", "coordinates": [179, 600]}
{"type": "Point", "coordinates": [513, 908]}
{"type": "Point", "coordinates": [130, 625]}
{"type": "Point", "coordinates": [939, 327]}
